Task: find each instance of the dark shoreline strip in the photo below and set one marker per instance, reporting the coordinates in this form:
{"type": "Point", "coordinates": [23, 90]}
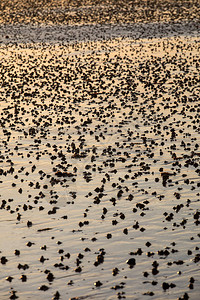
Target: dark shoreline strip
{"type": "Point", "coordinates": [11, 34]}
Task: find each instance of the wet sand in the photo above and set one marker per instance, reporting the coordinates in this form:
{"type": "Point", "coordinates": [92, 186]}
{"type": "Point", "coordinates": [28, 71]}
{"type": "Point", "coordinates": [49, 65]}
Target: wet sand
{"type": "Point", "coordinates": [99, 161]}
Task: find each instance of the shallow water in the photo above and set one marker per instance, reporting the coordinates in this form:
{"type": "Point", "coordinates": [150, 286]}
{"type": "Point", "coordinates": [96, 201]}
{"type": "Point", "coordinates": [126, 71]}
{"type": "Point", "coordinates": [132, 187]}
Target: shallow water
{"type": "Point", "coordinates": [126, 103]}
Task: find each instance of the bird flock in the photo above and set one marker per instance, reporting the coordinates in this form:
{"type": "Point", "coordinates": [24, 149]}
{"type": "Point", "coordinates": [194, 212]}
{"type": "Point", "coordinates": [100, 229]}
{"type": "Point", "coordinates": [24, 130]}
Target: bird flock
{"type": "Point", "coordinates": [100, 169]}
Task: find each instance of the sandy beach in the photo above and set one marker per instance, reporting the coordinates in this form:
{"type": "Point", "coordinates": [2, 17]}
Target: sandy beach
{"type": "Point", "coordinates": [99, 150]}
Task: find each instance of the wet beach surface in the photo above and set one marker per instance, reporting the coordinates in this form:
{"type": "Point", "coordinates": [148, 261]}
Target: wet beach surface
{"type": "Point", "coordinates": [99, 157]}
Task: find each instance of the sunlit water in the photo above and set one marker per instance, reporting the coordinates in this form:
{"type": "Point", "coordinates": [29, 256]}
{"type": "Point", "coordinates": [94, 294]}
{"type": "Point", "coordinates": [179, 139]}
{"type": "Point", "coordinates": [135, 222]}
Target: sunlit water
{"type": "Point", "coordinates": [128, 99]}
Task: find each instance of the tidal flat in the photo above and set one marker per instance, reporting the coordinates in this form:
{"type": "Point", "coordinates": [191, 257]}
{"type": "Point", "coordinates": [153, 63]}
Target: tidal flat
{"type": "Point", "coordinates": [99, 162]}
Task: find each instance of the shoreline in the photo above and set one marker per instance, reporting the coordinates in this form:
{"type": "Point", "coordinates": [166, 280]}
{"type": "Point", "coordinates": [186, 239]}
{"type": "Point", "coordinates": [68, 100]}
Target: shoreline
{"type": "Point", "coordinates": [69, 33]}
